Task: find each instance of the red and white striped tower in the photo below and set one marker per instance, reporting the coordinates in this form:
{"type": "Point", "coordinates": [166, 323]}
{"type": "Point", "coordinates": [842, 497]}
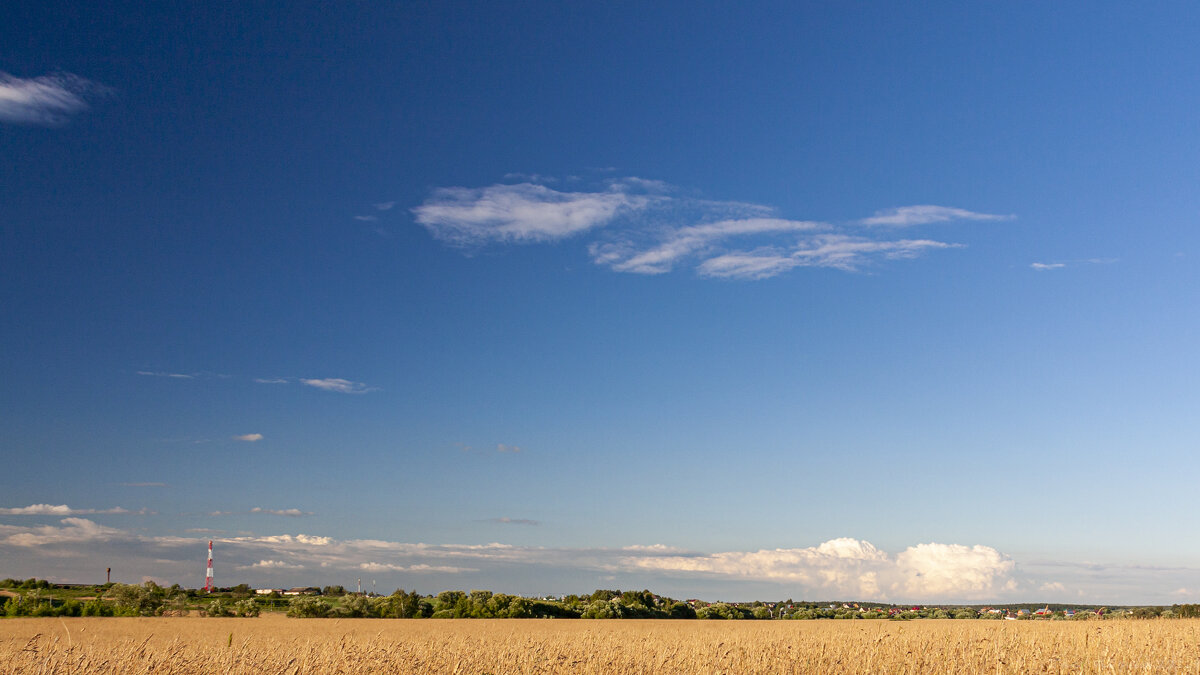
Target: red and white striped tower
{"type": "Point", "coordinates": [208, 581]}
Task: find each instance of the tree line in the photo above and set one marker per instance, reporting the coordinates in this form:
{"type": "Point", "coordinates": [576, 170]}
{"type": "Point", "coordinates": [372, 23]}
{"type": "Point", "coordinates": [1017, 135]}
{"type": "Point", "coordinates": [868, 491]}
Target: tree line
{"type": "Point", "coordinates": [38, 598]}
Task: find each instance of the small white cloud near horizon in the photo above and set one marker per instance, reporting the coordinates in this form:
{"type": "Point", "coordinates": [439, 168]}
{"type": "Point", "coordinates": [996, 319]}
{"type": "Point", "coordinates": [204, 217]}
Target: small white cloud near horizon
{"type": "Point", "coordinates": [921, 214]}
{"type": "Point", "coordinates": [338, 385]}
{"type": "Point", "coordinates": [50, 100]}
{"type": "Point", "coordinates": [64, 510]}
{"type": "Point", "coordinates": [249, 438]}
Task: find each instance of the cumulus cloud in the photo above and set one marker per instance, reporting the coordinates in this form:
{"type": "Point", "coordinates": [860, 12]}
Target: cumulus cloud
{"type": "Point", "coordinates": [49, 100]}
{"type": "Point", "coordinates": [64, 510]}
{"type": "Point", "coordinates": [852, 568]}
{"type": "Point", "coordinates": [904, 216]}
{"type": "Point", "coordinates": [338, 384]}
{"type": "Point", "coordinates": [644, 226]}
{"type": "Point", "coordinates": [846, 566]}
{"type": "Point", "coordinates": [249, 438]}
{"type": "Point", "coordinates": [953, 571]}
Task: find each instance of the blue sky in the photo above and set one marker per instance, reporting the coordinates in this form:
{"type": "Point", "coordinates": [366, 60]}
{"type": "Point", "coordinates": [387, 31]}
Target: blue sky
{"type": "Point", "coordinates": [819, 300]}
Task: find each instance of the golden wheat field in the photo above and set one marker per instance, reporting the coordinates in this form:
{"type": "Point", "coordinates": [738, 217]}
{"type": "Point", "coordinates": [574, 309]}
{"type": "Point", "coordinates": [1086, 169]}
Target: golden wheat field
{"type": "Point", "coordinates": [274, 644]}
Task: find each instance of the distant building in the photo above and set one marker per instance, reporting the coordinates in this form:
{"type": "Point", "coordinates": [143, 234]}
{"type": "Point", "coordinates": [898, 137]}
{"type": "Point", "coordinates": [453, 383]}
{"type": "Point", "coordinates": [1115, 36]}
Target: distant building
{"type": "Point", "coordinates": [303, 590]}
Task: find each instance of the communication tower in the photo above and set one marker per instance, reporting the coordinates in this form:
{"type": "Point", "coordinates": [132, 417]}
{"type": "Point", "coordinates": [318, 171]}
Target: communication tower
{"type": "Point", "coordinates": [208, 577]}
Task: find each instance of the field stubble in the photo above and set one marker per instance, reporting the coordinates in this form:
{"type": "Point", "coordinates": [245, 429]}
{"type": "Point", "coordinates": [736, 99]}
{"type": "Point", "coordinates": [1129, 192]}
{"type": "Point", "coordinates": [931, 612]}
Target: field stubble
{"type": "Point", "coordinates": [273, 644]}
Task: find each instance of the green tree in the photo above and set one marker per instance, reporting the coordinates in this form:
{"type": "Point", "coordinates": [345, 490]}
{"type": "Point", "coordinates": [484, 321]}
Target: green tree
{"type": "Point", "coordinates": [307, 606]}
{"type": "Point", "coordinates": [246, 608]}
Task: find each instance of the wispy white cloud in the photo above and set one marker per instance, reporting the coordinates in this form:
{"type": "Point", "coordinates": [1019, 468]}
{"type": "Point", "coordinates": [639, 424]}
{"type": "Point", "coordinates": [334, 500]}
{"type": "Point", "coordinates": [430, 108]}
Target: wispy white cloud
{"type": "Point", "coordinates": [839, 251]}
{"type": "Point", "coordinates": [249, 438]}
{"type": "Point", "coordinates": [271, 380]}
{"type": "Point", "coordinates": [415, 569]}
{"type": "Point", "coordinates": [295, 513]}
{"type": "Point", "coordinates": [645, 226]}
{"type": "Point", "coordinates": [530, 177]}
{"type": "Point", "coordinates": [367, 218]}
{"type": "Point", "coordinates": [524, 212]}
{"type": "Point", "coordinates": [64, 510]}
{"type": "Point", "coordinates": [338, 385]}
{"type": "Point", "coordinates": [1043, 267]}
{"type": "Point", "coordinates": [683, 242]}
{"type": "Point", "coordinates": [178, 376]}
{"type": "Point", "coordinates": [904, 216]}
{"type": "Point", "coordinates": [274, 565]}
{"type": "Point", "coordinates": [258, 510]}
{"type": "Point", "coordinates": [501, 447]}
{"type": "Point", "coordinates": [71, 531]}
{"type": "Point", "coordinates": [512, 521]}
{"type": "Point", "coordinates": [49, 100]}
{"type": "Point", "coordinates": [384, 206]}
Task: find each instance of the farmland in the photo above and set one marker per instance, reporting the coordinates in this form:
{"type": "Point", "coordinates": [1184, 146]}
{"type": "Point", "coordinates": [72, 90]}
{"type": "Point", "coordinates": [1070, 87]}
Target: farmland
{"type": "Point", "coordinates": [273, 643]}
